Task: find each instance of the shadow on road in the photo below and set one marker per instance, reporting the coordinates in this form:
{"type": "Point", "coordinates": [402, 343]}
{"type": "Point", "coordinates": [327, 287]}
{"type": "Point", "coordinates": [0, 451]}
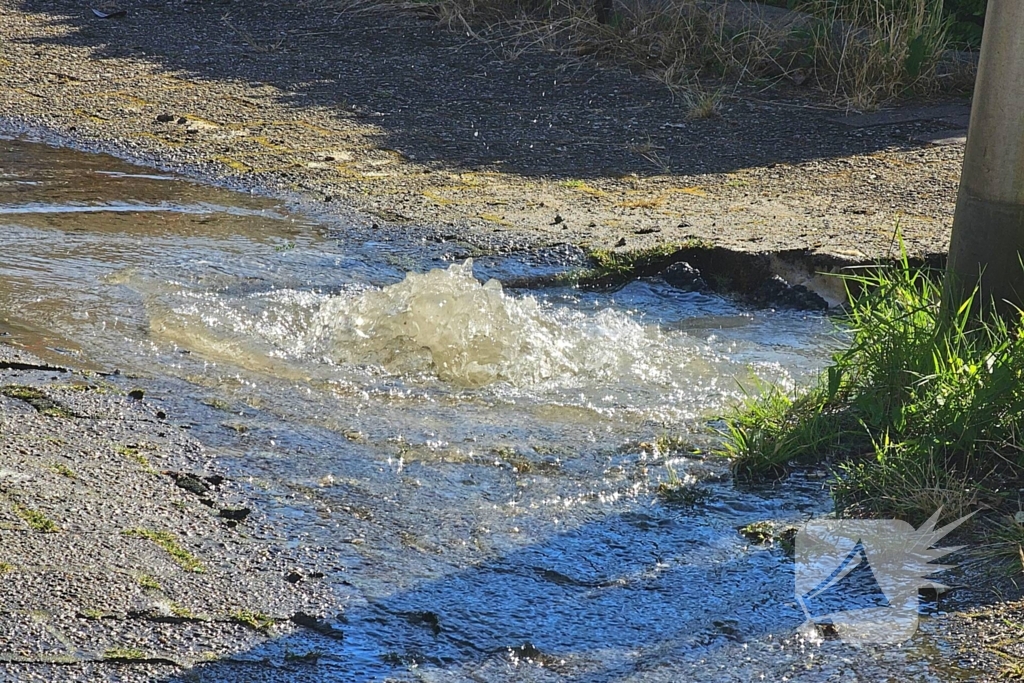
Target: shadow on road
{"type": "Point", "coordinates": [442, 98]}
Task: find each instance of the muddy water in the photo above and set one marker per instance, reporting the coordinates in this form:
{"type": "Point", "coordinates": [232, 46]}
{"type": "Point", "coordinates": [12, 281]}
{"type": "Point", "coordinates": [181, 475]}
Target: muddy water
{"type": "Point", "coordinates": [474, 469]}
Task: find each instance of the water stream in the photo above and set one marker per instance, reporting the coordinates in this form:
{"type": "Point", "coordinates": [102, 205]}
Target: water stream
{"type": "Point", "coordinates": [476, 467]}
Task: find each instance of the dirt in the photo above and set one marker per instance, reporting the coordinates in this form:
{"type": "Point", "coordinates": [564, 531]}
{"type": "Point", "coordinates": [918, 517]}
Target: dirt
{"type": "Point", "coordinates": [110, 569]}
{"type": "Point", "coordinates": [391, 118]}
{"type": "Point", "coordinates": [388, 119]}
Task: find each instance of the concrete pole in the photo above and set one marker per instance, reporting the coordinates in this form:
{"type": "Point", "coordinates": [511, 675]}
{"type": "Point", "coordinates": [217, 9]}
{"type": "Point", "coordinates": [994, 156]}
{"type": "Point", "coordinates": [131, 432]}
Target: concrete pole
{"type": "Point", "coordinates": [988, 228]}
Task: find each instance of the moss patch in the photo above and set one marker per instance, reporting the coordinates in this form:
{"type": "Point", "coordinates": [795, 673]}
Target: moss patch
{"type": "Point", "coordinates": [135, 453]}
{"type": "Point", "coordinates": [611, 268]}
{"type": "Point", "coordinates": [37, 399]}
{"type": "Point", "coordinates": [37, 520]}
{"type": "Point", "coordinates": [148, 582]}
{"type": "Point", "coordinates": [257, 621]}
{"type": "Point", "coordinates": [63, 470]}
{"type": "Point", "coordinates": [169, 543]}
{"type": "Point", "coordinates": [683, 491]}
{"type": "Point", "coordinates": [124, 654]}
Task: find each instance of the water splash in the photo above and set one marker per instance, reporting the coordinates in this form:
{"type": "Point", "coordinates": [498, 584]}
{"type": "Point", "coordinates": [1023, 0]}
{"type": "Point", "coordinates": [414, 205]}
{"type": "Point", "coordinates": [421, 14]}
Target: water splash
{"type": "Point", "coordinates": [445, 322]}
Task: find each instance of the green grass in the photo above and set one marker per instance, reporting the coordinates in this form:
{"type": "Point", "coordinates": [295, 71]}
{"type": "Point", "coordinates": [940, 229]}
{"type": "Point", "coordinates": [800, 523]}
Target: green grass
{"type": "Point", "coordinates": [183, 612]}
{"type": "Point", "coordinates": [37, 399]}
{"type": "Point", "coordinates": [169, 543]}
{"type": "Point", "coordinates": [63, 470]}
{"type": "Point", "coordinates": [148, 582]}
{"type": "Point", "coordinates": [922, 410]}
{"type": "Point", "coordinates": [124, 654]}
{"type": "Point", "coordinates": [37, 520]}
{"type": "Point", "coordinates": [135, 453]}
{"type": "Point", "coordinates": [684, 491]}
{"type": "Point", "coordinates": [257, 621]}
{"type": "Point", "coordinates": [611, 268]}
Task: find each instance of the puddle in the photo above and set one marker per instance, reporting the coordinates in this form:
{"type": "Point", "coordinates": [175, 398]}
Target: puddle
{"type": "Point", "coordinates": [463, 461]}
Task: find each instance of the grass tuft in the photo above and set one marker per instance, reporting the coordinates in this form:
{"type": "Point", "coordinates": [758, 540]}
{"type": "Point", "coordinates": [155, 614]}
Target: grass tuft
{"type": "Point", "coordinates": [37, 399]}
{"type": "Point", "coordinates": [684, 491]}
{"type": "Point", "coordinates": [63, 470]}
{"type": "Point", "coordinates": [257, 621]}
{"type": "Point", "coordinates": [135, 453]}
{"type": "Point", "coordinates": [37, 520]}
{"type": "Point", "coordinates": [147, 582]}
{"type": "Point", "coordinates": [124, 654]}
{"type": "Point", "coordinates": [858, 52]}
{"type": "Point", "coordinates": [169, 543]}
{"type": "Point", "coordinates": [923, 410]}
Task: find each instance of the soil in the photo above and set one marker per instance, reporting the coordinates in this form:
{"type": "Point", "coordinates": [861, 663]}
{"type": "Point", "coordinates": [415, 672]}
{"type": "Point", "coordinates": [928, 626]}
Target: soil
{"type": "Point", "coordinates": [408, 123]}
{"type": "Point", "coordinates": [111, 568]}
{"type": "Point", "coordinates": [387, 119]}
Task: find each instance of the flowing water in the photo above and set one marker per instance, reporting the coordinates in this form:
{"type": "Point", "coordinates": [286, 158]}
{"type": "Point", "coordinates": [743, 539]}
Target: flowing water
{"type": "Point", "coordinates": [479, 467]}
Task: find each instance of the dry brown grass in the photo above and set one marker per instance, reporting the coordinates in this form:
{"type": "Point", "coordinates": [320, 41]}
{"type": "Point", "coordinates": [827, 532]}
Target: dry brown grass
{"type": "Point", "coordinates": [860, 53]}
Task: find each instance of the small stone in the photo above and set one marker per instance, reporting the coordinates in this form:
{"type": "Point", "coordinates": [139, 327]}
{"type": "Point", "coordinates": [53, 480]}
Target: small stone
{"type": "Point", "coordinates": [182, 120]}
{"type": "Point", "coordinates": [234, 514]}
{"type": "Point", "coordinates": [314, 624]}
{"type": "Point", "coordinates": [190, 483]}
{"type": "Point", "coordinates": [684, 276]}
{"type": "Point", "coordinates": [558, 219]}
{"type": "Point", "coordinates": [165, 118]}
{"type": "Point", "coordinates": [621, 242]}
{"type": "Point", "coordinates": [136, 394]}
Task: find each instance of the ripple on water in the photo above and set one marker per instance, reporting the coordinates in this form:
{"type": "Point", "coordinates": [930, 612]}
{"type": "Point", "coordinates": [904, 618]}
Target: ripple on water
{"type": "Point", "coordinates": [465, 459]}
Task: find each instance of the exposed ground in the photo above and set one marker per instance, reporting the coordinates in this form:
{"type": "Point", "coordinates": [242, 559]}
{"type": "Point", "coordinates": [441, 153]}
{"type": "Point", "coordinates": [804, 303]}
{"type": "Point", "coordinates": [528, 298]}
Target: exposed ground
{"type": "Point", "coordinates": [410, 123]}
{"type": "Point", "coordinates": [124, 554]}
{"type": "Point", "coordinates": [405, 123]}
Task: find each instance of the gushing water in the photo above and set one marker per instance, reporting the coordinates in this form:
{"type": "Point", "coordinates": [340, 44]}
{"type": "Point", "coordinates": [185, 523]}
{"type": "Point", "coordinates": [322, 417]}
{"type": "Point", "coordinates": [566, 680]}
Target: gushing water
{"type": "Point", "coordinates": [474, 464]}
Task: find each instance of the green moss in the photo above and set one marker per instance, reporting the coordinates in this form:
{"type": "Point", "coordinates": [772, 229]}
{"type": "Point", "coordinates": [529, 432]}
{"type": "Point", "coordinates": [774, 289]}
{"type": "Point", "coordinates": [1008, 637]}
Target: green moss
{"type": "Point", "coordinates": [236, 427]}
{"type": "Point", "coordinates": [63, 470]}
{"type": "Point", "coordinates": [667, 444]}
{"type": "Point", "coordinates": [309, 657]}
{"type": "Point", "coordinates": [169, 543]}
{"type": "Point", "coordinates": [257, 621]}
{"type": "Point", "coordinates": [37, 520]}
{"type": "Point", "coordinates": [759, 532]}
{"type": "Point", "coordinates": [135, 453]}
{"type": "Point", "coordinates": [612, 268]}
{"type": "Point", "coordinates": [510, 457]}
{"type": "Point", "coordinates": [182, 612]}
{"type": "Point", "coordinates": [148, 582]}
{"type": "Point", "coordinates": [22, 393]}
{"type": "Point", "coordinates": [6, 567]}
{"type": "Point", "coordinates": [37, 399]}
{"type": "Point", "coordinates": [124, 654]}
{"type": "Point", "coordinates": [217, 404]}
{"type": "Point", "coordinates": [92, 613]}
{"type": "Point", "coordinates": [685, 492]}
